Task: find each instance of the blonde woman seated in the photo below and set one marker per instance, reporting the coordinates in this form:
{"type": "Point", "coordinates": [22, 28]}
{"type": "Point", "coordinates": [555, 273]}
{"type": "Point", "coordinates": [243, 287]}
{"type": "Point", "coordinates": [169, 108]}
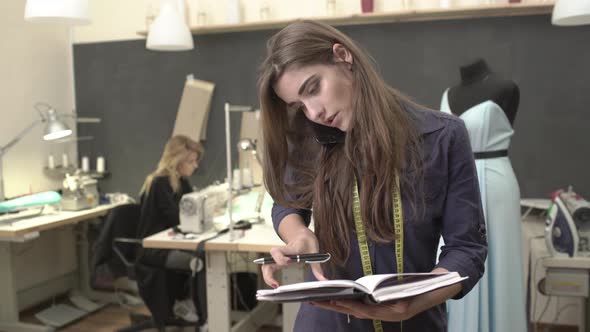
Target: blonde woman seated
{"type": "Point", "coordinates": [164, 284]}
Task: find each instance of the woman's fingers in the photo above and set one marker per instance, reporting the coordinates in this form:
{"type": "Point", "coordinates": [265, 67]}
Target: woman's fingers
{"type": "Point", "coordinates": [268, 275]}
{"type": "Point", "coordinates": [268, 270]}
{"type": "Point", "coordinates": [387, 312]}
{"type": "Point", "coordinates": [317, 271]}
{"type": "Point", "coordinates": [279, 257]}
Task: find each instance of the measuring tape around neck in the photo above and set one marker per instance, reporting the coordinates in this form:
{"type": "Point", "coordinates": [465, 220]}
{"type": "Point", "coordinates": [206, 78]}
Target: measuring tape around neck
{"type": "Point", "coordinates": [398, 231]}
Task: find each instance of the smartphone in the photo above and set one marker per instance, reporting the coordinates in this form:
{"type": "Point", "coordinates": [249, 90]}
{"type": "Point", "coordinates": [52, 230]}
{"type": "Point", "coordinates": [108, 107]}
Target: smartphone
{"type": "Point", "coordinates": [328, 135]}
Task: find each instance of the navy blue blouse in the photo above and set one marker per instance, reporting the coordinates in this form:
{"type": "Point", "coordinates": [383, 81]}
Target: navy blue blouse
{"type": "Point", "coordinates": [452, 209]}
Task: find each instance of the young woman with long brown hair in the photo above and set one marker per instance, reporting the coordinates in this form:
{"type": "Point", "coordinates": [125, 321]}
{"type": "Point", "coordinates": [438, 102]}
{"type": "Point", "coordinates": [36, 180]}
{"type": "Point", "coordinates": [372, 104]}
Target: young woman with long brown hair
{"type": "Point", "coordinates": [378, 172]}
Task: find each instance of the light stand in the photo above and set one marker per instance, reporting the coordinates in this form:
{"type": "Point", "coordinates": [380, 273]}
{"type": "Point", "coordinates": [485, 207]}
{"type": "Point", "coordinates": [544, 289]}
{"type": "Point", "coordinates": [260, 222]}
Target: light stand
{"type": "Point", "coordinates": [54, 129]}
{"type": "Point", "coordinates": [228, 109]}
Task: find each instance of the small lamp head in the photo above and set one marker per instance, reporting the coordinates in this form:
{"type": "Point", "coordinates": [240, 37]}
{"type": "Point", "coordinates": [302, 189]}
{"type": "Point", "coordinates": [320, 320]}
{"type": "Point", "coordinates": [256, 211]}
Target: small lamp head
{"type": "Point", "coordinates": [247, 144]}
{"type": "Point", "coordinates": [55, 129]}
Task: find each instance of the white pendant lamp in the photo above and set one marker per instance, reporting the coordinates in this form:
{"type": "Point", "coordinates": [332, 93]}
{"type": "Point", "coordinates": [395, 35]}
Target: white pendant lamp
{"type": "Point", "coordinates": [571, 12]}
{"type": "Point", "coordinates": [73, 12]}
{"type": "Point", "coordinates": [169, 32]}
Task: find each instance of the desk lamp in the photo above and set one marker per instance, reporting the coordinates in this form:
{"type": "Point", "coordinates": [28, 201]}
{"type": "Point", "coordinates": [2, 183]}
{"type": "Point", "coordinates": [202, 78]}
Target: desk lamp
{"type": "Point", "coordinates": [54, 129]}
{"type": "Point", "coordinates": [228, 110]}
{"type": "Point", "coordinates": [249, 144]}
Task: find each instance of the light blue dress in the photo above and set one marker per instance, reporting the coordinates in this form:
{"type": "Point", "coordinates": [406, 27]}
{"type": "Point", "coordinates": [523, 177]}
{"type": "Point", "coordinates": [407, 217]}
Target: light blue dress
{"type": "Point", "coordinates": [497, 303]}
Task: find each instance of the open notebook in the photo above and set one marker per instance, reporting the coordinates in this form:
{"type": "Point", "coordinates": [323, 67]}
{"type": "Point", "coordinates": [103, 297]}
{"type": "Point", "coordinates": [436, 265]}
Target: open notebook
{"type": "Point", "coordinates": [371, 289]}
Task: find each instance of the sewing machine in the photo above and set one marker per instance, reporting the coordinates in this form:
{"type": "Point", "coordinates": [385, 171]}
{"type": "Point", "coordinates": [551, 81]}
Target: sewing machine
{"type": "Point", "coordinates": [197, 209]}
{"type": "Point", "coordinates": [79, 192]}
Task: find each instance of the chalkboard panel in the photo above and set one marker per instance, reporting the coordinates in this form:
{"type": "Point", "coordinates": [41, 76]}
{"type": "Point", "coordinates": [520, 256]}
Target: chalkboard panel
{"type": "Point", "coordinates": [136, 92]}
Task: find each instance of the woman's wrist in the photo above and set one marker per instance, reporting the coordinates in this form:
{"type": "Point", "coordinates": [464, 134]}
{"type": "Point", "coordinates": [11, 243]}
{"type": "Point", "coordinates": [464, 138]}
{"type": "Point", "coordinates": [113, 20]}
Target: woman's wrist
{"type": "Point", "coordinates": [303, 241]}
{"type": "Point", "coordinates": [303, 233]}
{"type": "Point", "coordinates": [297, 235]}
{"type": "Point", "coordinates": [290, 226]}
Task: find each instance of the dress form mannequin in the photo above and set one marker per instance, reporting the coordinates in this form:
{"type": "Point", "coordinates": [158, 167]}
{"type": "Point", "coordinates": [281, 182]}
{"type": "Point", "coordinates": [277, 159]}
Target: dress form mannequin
{"type": "Point", "coordinates": [479, 84]}
{"type": "Point", "coordinates": [487, 105]}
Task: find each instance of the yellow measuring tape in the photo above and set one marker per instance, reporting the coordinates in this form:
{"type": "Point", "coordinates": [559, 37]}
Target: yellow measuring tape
{"type": "Point", "coordinates": [398, 231]}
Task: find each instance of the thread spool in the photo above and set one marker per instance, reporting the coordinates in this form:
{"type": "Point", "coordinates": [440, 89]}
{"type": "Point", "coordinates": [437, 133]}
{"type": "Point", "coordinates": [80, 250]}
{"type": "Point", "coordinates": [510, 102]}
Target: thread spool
{"type": "Point", "coordinates": [85, 164]}
{"type": "Point", "coordinates": [237, 179]}
{"type": "Point", "coordinates": [247, 180]}
{"type": "Point", "coordinates": [100, 164]}
{"type": "Point", "coordinates": [330, 7]}
{"type": "Point", "coordinates": [264, 11]}
{"type": "Point", "coordinates": [65, 161]}
{"type": "Point", "coordinates": [234, 12]}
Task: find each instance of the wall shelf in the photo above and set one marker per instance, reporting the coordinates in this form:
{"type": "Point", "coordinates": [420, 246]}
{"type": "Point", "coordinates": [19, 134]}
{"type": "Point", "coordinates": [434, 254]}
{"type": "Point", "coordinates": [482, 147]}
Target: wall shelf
{"type": "Point", "coordinates": [411, 15]}
{"type": "Point", "coordinates": [59, 172]}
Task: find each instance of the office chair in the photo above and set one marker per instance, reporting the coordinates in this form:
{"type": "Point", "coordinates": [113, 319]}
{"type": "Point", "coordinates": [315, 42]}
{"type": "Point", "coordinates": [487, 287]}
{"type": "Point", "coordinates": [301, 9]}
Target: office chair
{"type": "Point", "coordinates": [125, 245]}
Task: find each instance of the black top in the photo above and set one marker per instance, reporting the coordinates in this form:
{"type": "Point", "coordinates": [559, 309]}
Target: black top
{"type": "Point", "coordinates": [159, 286]}
{"type": "Point", "coordinates": [479, 84]}
{"type": "Point", "coordinates": [159, 208]}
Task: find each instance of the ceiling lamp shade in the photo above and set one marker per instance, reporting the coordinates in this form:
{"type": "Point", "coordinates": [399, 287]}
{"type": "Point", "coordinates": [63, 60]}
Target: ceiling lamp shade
{"type": "Point", "coordinates": [168, 32]}
{"type": "Point", "coordinates": [73, 12]}
{"type": "Point", "coordinates": [571, 12]}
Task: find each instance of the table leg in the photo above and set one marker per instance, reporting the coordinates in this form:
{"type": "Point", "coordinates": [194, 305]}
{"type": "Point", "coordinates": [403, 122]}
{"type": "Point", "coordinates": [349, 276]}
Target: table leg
{"type": "Point", "coordinates": [9, 320]}
{"type": "Point", "coordinates": [218, 292]}
{"type": "Point", "coordinates": [584, 319]}
{"type": "Point", "coordinates": [291, 274]}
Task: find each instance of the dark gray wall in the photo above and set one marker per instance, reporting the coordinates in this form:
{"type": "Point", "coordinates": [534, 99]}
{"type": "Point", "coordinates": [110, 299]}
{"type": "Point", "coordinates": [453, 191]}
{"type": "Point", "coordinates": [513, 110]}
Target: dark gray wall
{"type": "Point", "coordinates": [136, 92]}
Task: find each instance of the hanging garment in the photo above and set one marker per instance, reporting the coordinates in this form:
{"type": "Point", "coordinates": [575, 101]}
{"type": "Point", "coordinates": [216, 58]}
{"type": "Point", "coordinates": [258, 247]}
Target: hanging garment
{"type": "Point", "coordinates": [497, 303]}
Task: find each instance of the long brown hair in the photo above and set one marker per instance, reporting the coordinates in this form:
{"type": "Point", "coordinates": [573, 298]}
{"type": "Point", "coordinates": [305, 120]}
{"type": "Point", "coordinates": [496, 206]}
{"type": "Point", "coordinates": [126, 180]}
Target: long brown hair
{"type": "Point", "coordinates": [177, 149]}
{"type": "Point", "coordinates": [381, 141]}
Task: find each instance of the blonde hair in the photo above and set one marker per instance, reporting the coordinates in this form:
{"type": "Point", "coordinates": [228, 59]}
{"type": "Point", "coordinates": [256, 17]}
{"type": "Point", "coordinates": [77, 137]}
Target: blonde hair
{"type": "Point", "coordinates": [176, 150]}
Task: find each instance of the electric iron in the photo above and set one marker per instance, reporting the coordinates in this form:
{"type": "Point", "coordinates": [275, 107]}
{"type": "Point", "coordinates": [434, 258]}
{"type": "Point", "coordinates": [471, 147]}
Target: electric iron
{"type": "Point", "coordinates": [567, 231]}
